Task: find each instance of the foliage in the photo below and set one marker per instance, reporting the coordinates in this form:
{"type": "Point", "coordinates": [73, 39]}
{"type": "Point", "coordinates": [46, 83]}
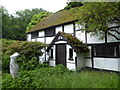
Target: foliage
{"type": "Point", "coordinates": [5, 44]}
{"type": "Point", "coordinates": [73, 4]}
{"type": "Point", "coordinates": [97, 15]}
{"type": "Point", "coordinates": [29, 53]}
{"type": "Point", "coordinates": [27, 14]}
{"type": "Point", "coordinates": [5, 58]}
{"type": "Point", "coordinates": [36, 18]}
{"type": "Point", "coordinates": [60, 77]}
{"type": "Point", "coordinates": [14, 27]}
{"type": "Point", "coordinates": [78, 45]}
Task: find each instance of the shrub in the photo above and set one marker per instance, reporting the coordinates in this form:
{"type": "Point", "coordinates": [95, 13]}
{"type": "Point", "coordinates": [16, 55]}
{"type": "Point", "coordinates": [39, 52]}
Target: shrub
{"type": "Point", "coordinates": [5, 44]}
{"type": "Point", "coordinates": [29, 54]}
{"type": "Point", "coordinates": [60, 77]}
{"type": "Point", "coordinates": [5, 62]}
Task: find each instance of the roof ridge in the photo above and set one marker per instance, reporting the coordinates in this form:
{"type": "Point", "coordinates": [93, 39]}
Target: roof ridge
{"type": "Point", "coordinates": [54, 19]}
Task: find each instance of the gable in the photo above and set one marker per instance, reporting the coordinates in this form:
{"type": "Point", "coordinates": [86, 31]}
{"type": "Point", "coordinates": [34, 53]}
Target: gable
{"type": "Point", "coordinates": [75, 43]}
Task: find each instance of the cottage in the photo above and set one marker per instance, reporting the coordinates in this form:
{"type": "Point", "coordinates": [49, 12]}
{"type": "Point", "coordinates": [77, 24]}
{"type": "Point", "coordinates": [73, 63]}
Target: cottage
{"type": "Point", "coordinates": [103, 53]}
{"type": "Point", "coordinates": [67, 50]}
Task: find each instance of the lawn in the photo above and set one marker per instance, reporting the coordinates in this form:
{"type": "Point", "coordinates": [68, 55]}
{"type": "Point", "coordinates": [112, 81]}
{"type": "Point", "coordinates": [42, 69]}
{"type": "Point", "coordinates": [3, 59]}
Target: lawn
{"type": "Point", "coordinates": [60, 77]}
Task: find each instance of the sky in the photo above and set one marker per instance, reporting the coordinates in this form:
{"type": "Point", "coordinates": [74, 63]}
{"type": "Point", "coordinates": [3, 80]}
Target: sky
{"type": "Point", "coordinates": [16, 5]}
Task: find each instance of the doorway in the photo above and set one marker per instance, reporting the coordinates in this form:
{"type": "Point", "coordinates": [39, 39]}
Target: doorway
{"type": "Point", "coordinates": [61, 54]}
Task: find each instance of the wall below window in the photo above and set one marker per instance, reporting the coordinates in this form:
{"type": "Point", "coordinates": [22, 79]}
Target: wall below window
{"type": "Point", "coordinates": [107, 63]}
{"type": "Point", "coordinates": [41, 40]}
{"type": "Point", "coordinates": [28, 37]}
{"type": "Point", "coordinates": [49, 39]}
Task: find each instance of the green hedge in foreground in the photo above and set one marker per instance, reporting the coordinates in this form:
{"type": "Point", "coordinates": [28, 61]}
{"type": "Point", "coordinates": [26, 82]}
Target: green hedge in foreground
{"type": "Point", "coordinates": [29, 53]}
{"type": "Point", "coordinates": [60, 77]}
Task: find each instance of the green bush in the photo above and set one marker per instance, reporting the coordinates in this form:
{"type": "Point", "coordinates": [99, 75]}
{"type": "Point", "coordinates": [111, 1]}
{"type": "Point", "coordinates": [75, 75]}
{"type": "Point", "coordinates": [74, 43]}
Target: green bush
{"type": "Point", "coordinates": [5, 62]}
{"type": "Point", "coordinates": [60, 77]}
{"type": "Point", "coordinates": [5, 43]}
{"type": "Point", "coordinates": [29, 54]}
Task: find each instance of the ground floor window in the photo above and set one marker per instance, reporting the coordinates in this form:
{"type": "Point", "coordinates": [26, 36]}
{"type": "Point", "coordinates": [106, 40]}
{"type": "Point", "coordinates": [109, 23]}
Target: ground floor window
{"type": "Point", "coordinates": [106, 50]}
{"type": "Point", "coordinates": [71, 53]}
{"type": "Point", "coordinates": [51, 53]}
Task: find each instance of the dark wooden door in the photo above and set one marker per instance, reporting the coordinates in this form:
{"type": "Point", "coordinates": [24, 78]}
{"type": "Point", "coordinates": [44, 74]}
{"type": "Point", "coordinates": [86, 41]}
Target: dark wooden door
{"type": "Point", "coordinates": [61, 54]}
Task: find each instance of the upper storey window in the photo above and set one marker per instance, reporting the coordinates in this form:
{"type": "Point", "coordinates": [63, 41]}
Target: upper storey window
{"type": "Point", "coordinates": [34, 35]}
{"type": "Point", "coordinates": [50, 31]}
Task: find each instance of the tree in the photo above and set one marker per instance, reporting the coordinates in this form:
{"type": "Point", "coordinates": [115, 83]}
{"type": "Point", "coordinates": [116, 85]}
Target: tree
{"type": "Point", "coordinates": [36, 18]}
{"type": "Point", "coordinates": [26, 15]}
{"type": "Point", "coordinates": [14, 27]}
{"type": "Point", "coordinates": [6, 23]}
{"type": "Point", "coordinates": [97, 15]}
{"type": "Point", "coordinates": [73, 4]}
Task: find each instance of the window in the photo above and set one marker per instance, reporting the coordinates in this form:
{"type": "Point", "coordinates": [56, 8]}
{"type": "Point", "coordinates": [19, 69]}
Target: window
{"type": "Point", "coordinates": [51, 53]}
{"type": "Point", "coordinates": [50, 32]}
{"type": "Point", "coordinates": [106, 50]}
{"type": "Point", "coordinates": [70, 53]}
{"type": "Point", "coordinates": [34, 35]}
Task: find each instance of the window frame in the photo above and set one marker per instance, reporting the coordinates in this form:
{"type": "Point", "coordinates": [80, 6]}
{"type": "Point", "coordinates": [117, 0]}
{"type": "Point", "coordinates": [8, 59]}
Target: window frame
{"type": "Point", "coordinates": [104, 50]}
{"type": "Point", "coordinates": [34, 35]}
{"type": "Point", "coordinates": [50, 32]}
{"type": "Point", "coordinates": [51, 53]}
{"type": "Point", "coordinates": [70, 54]}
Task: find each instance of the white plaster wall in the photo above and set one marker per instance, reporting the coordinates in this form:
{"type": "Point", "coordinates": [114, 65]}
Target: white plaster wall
{"type": "Point", "coordinates": [60, 42]}
{"type": "Point", "coordinates": [113, 24]}
{"type": "Point", "coordinates": [94, 39]}
{"type": "Point", "coordinates": [68, 28]}
{"type": "Point", "coordinates": [42, 57]}
{"type": "Point", "coordinates": [111, 38]}
{"type": "Point", "coordinates": [67, 58]}
{"type": "Point", "coordinates": [88, 63]}
{"type": "Point", "coordinates": [49, 39]}
{"type": "Point", "coordinates": [81, 35]}
{"type": "Point", "coordinates": [106, 63]}
{"type": "Point", "coordinates": [41, 33]}
{"type": "Point", "coordinates": [54, 50]}
{"type": "Point", "coordinates": [57, 29]}
{"type": "Point", "coordinates": [78, 26]}
{"type": "Point", "coordinates": [40, 40]}
{"type": "Point", "coordinates": [80, 60]}
{"type": "Point", "coordinates": [89, 52]}
{"type": "Point", "coordinates": [70, 63]}
{"type": "Point", "coordinates": [28, 37]}
{"type": "Point", "coordinates": [33, 39]}
{"type": "Point", "coordinates": [52, 63]}
{"type": "Point", "coordinates": [119, 64]}
{"type": "Point", "coordinates": [71, 66]}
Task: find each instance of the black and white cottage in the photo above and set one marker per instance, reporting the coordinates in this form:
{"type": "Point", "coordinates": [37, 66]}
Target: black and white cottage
{"type": "Point", "coordinates": [73, 47]}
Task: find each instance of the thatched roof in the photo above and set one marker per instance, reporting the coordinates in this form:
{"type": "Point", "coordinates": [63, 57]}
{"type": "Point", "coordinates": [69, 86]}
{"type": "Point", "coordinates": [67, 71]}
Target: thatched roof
{"type": "Point", "coordinates": [78, 45]}
{"type": "Point", "coordinates": [55, 19]}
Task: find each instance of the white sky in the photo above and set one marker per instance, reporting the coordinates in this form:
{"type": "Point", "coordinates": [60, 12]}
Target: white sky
{"type": "Point", "coordinates": [49, 5]}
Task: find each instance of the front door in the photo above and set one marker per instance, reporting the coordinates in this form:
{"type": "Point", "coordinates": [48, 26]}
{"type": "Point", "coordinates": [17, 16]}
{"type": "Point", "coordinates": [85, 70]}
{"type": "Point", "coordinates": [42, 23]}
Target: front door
{"type": "Point", "coordinates": [61, 54]}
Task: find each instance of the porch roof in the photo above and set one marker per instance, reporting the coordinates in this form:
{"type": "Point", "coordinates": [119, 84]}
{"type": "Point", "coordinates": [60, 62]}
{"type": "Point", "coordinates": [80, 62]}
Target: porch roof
{"type": "Point", "coordinates": [77, 45]}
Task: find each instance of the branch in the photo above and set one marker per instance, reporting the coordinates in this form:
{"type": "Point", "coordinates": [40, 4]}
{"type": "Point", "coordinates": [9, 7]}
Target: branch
{"type": "Point", "coordinates": [116, 31]}
{"type": "Point", "coordinates": [114, 36]}
{"type": "Point", "coordinates": [114, 27]}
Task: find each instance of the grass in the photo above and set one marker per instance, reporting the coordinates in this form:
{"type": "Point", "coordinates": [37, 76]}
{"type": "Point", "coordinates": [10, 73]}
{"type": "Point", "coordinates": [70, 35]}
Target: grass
{"type": "Point", "coordinates": [60, 77]}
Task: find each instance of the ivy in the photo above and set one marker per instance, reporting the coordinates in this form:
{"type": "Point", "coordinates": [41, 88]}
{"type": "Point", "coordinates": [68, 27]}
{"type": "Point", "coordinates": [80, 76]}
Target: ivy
{"type": "Point", "coordinates": [76, 43]}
